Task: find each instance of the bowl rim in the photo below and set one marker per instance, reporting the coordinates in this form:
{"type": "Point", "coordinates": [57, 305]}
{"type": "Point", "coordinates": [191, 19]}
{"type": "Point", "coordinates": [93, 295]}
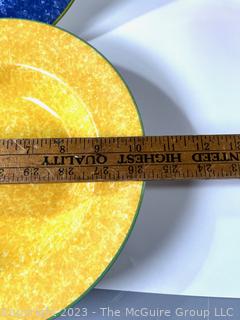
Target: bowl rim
{"type": "Point", "coordinates": [101, 276]}
{"type": "Point", "coordinates": [62, 14]}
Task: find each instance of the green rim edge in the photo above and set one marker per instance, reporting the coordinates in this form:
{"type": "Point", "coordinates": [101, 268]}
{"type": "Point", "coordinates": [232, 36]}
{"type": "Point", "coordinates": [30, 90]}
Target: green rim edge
{"type": "Point", "coordinates": [63, 13]}
{"type": "Point", "coordinates": [143, 183]}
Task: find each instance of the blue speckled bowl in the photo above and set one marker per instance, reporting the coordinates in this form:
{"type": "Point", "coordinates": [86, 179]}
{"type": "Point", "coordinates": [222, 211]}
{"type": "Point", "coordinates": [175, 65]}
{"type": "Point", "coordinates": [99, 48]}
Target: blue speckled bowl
{"type": "Point", "coordinates": [48, 11]}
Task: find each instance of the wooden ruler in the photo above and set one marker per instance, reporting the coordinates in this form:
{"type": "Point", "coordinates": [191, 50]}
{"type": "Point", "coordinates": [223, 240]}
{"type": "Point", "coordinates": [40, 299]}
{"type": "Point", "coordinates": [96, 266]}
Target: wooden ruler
{"type": "Point", "coordinates": [119, 158]}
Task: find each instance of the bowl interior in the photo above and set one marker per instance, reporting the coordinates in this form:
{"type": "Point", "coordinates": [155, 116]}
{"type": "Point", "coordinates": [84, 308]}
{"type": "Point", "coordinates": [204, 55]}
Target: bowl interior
{"type": "Point", "coordinates": [56, 240]}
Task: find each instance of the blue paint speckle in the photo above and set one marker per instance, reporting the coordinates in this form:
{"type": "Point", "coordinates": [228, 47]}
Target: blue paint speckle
{"type": "Point", "coordinates": [41, 10]}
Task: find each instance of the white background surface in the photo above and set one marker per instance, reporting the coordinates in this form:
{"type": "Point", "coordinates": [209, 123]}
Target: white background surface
{"type": "Point", "coordinates": [181, 60]}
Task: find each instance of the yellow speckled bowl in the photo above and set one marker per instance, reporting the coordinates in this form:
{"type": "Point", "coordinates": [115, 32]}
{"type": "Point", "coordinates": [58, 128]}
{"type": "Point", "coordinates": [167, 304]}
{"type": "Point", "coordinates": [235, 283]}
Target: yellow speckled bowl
{"type": "Point", "coordinates": [56, 240]}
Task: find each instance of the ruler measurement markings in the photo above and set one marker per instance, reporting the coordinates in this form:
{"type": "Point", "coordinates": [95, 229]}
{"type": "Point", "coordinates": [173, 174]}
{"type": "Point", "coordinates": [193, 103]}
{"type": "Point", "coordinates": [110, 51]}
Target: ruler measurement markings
{"type": "Point", "coordinates": [151, 142]}
{"type": "Point", "coordinates": [153, 145]}
{"type": "Point", "coordinates": [50, 143]}
{"type": "Point", "coordinates": [202, 144]}
{"type": "Point", "coordinates": [67, 145]}
{"type": "Point", "coordinates": [177, 150]}
{"type": "Point", "coordinates": [168, 144]}
{"type": "Point", "coordinates": [185, 141]}
{"type": "Point", "coordinates": [36, 155]}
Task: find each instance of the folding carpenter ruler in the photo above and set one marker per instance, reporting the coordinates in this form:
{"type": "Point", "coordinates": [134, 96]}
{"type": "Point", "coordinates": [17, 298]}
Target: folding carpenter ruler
{"type": "Point", "coordinates": [55, 160]}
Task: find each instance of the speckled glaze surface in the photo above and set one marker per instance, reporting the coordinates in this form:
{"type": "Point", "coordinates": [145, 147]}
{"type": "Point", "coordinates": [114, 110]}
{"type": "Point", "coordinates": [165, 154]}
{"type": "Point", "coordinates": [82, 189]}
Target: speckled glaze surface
{"type": "Point", "coordinates": [47, 11]}
{"type": "Point", "coordinates": [56, 240]}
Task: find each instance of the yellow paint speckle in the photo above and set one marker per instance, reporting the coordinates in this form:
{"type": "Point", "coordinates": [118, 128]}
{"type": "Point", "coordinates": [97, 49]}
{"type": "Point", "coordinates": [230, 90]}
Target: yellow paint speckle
{"type": "Point", "coordinates": [57, 239]}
